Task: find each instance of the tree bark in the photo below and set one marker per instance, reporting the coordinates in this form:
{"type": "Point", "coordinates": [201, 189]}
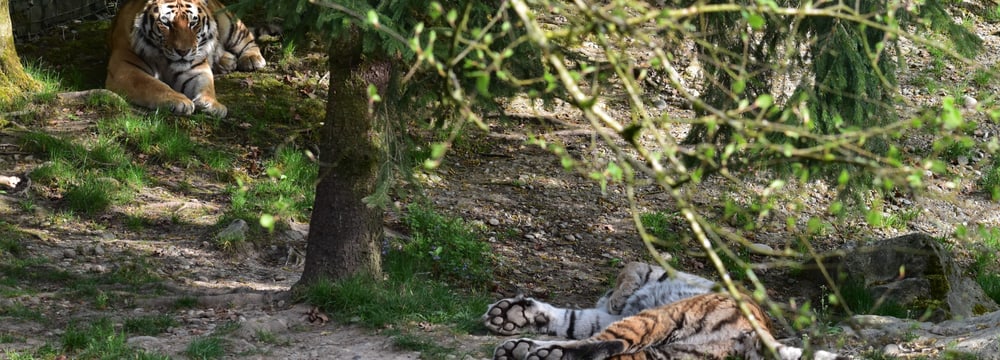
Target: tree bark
{"type": "Point", "coordinates": [14, 82]}
{"type": "Point", "coordinates": [345, 232]}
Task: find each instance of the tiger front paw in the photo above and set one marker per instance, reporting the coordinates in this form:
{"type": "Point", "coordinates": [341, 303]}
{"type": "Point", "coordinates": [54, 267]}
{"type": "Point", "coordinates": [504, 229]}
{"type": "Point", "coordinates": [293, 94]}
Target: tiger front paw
{"type": "Point", "coordinates": [527, 349]}
{"type": "Point", "coordinates": [514, 316]}
{"type": "Point", "coordinates": [212, 107]}
{"type": "Point", "coordinates": [180, 105]}
{"type": "Point", "coordinates": [250, 61]}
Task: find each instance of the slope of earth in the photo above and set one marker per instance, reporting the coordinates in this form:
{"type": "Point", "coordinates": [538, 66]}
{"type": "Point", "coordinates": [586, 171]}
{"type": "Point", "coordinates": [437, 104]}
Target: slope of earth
{"type": "Point", "coordinates": [559, 235]}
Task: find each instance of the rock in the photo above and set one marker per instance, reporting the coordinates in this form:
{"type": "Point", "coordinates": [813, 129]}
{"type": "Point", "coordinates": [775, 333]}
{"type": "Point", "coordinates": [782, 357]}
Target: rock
{"type": "Point", "coordinates": [969, 102]}
{"type": "Point", "coordinates": [69, 253]}
{"type": "Point", "coordinates": [978, 336]}
{"type": "Point", "coordinates": [913, 271]}
{"type": "Point", "coordinates": [266, 324]}
{"type": "Point", "coordinates": [761, 248]}
{"type": "Point", "coordinates": [235, 232]}
{"type": "Point", "coordinates": [148, 343]}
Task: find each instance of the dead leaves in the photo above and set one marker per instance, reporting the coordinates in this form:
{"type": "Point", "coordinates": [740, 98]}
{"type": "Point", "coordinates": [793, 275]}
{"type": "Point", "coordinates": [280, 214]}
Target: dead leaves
{"type": "Point", "coordinates": [314, 315]}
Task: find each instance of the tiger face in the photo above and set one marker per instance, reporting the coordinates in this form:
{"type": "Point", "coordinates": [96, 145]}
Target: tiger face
{"type": "Point", "coordinates": [165, 53]}
{"type": "Point", "coordinates": [181, 30]}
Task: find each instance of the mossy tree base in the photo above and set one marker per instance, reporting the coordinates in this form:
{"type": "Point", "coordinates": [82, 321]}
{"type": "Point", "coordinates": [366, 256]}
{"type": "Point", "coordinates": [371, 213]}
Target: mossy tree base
{"type": "Point", "coordinates": [14, 82]}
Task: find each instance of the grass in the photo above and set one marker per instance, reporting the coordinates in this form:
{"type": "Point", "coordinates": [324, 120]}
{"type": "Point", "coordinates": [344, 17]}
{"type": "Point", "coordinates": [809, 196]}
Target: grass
{"type": "Point", "coordinates": [286, 193]}
{"type": "Point", "coordinates": [416, 286]}
{"type": "Point", "coordinates": [445, 248]}
{"type": "Point", "coordinates": [100, 340]}
{"type": "Point", "coordinates": [50, 86]}
{"type": "Point", "coordinates": [986, 265]}
{"type": "Point", "coordinates": [990, 180]}
{"type": "Point", "coordinates": [857, 298]}
{"type": "Point", "coordinates": [664, 228]}
{"type": "Point", "coordinates": [152, 136]}
{"type": "Point", "coordinates": [149, 324]}
{"type": "Point", "coordinates": [206, 348]}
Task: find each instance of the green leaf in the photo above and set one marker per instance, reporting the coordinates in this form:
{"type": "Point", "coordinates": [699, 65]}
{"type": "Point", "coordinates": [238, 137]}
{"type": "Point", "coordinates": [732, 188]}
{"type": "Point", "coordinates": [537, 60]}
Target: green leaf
{"type": "Point", "coordinates": [452, 16]}
{"type": "Point", "coordinates": [267, 222]}
{"type": "Point", "coordinates": [483, 84]}
{"type": "Point", "coordinates": [615, 172]}
{"type": "Point", "coordinates": [951, 117]}
{"type": "Point", "coordinates": [844, 177]}
{"type": "Point", "coordinates": [373, 93]}
{"type": "Point", "coordinates": [739, 86]}
{"type": "Point", "coordinates": [836, 208]}
{"type": "Point", "coordinates": [764, 101]}
{"type": "Point", "coordinates": [434, 10]}
{"type": "Point", "coordinates": [756, 21]}
{"type": "Point", "coordinates": [373, 18]}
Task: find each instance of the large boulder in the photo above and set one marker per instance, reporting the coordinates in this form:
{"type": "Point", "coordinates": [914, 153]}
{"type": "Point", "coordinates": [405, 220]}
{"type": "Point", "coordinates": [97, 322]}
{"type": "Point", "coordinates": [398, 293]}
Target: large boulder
{"type": "Point", "coordinates": [914, 271]}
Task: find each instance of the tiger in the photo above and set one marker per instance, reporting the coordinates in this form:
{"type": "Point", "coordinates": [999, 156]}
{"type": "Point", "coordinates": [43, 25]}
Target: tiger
{"type": "Point", "coordinates": [164, 53]}
{"type": "Point", "coordinates": [648, 315]}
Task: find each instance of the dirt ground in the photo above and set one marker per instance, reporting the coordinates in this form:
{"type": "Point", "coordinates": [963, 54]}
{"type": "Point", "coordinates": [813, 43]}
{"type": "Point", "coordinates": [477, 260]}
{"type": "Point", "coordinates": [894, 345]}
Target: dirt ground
{"type": "Point", "coordinates": [560, 237]}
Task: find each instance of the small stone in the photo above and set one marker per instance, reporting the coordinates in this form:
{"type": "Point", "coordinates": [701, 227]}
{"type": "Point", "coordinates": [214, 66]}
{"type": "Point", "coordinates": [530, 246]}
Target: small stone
{"type": "Point", "coordinates": [69, 253]}
{"type": "Point", "coordinates": [891, 349]}
{"type": "Point", "coordinates": [761, 248]}
{"type": "Point", "coordinates": [494, 222]}
{"type": "Point", "coordinates": [98, 250]}
{"type": "Point", "coordinates": [969, 102]}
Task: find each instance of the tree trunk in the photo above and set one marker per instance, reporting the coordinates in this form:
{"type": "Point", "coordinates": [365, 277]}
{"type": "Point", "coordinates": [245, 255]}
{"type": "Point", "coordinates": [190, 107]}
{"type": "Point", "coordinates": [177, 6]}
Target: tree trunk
{"type": "Point", "coordinates": [345, 232]}
{"type": "Point", "coordinates": [14, 82]}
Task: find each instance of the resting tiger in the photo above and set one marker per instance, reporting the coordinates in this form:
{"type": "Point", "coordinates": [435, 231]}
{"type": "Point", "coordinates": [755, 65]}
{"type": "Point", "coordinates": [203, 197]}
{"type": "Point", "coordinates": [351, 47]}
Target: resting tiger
{"type": "Point", "coordinates": [649, 315]}
{"type": "Point", "coordinates": [164, 53]}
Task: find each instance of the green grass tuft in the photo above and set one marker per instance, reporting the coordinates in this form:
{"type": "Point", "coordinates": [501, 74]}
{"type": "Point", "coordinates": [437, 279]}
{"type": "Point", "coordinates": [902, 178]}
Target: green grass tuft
{"type": "Point", "coordinates": [149, 325]}
{"type": "Point", "coordinates": [287, 192]}
{"type": "Point", "coordinates": [445, 248]}
{"type": "Point", "coordinates": [990, 180]}
{"type": "Point", "coordinates": [206, 348]}
{"type": "Point", "coordinates": [377, 304]}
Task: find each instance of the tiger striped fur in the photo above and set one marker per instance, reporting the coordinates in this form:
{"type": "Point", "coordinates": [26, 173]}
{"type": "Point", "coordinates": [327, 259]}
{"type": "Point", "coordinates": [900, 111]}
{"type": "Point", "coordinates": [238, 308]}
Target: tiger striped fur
{"type": "Point", "coordinates": [164, 53]}
{"type": "Point", "coordinates": [639, 286]}
{"type": "Point", "coordinates": [674, 318]}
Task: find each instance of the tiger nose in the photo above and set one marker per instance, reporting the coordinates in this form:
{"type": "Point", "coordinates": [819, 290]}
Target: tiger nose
{"type": "Point", "coordinates": [183, 52]}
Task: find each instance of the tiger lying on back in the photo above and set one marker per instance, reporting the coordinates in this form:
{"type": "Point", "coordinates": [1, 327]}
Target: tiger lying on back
{"type": "Point", "coordinates": [164, 53]}
{"type": "Point", "coordinates": [649, 315]}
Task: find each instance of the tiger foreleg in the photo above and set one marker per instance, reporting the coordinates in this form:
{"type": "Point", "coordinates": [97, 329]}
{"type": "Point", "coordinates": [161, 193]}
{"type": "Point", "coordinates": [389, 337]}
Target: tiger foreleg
{"type": "Point", "coordinates": [141, 88]}
{"type": "Point", "coordinates": [528, 349]}
{"type": "Point", "coordinates": [517, 315]}
{"type": "Point", "coordinates": [198, 84]}
{"type": "Point", "coordinates": [520, 315]}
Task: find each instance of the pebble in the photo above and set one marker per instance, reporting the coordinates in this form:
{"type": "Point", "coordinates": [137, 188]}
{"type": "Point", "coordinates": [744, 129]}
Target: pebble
{"type": "Point", "coordinates": [69, 253]}
{"type": "Point", "coordinates": [761, 248]}
{"type": "Point", "coordinates": [969, 102]}
{"type": "Point", "coordinates": [494, 222]}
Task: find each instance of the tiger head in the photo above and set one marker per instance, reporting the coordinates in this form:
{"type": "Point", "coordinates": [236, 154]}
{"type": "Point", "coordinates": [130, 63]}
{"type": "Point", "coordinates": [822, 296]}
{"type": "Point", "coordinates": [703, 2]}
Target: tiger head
{"type": "Point", "coordinates": [179, 28]}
